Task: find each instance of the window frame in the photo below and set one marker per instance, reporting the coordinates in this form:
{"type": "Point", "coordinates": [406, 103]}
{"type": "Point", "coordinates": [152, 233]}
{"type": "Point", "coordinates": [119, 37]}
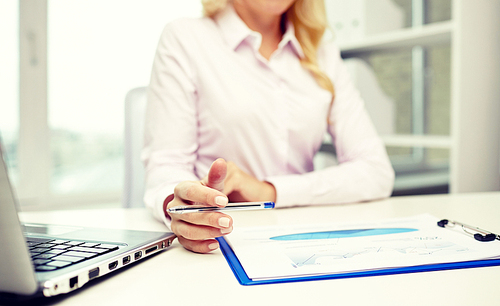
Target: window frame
{"type": "Point", "coordinates": [34, 160]}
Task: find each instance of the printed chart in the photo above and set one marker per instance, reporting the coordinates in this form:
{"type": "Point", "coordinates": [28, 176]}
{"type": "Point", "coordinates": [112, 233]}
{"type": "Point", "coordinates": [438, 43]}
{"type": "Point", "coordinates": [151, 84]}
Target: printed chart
{"type": "Point", "coordinates": [308, 250]}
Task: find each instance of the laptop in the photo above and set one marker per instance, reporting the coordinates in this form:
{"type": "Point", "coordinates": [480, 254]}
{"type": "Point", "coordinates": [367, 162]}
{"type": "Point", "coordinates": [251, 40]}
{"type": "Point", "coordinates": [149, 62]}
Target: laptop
{"type": "Point", "coordinates": [48, 260]}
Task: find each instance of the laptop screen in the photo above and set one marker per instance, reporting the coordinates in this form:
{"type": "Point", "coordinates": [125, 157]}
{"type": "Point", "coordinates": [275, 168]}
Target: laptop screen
{"type": "Point", "coordinates": [15, 267]}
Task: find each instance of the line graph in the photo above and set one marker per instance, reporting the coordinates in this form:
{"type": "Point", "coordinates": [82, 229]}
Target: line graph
{"type": "Point", "coordinates": [336, 253]}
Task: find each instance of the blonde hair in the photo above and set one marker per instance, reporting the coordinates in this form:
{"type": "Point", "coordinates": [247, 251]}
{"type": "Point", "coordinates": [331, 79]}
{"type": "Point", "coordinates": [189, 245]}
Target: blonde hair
{"type": "Point", "coordinates": [309, 19]}
{"type": "Point", "coordinates": [212, 7]}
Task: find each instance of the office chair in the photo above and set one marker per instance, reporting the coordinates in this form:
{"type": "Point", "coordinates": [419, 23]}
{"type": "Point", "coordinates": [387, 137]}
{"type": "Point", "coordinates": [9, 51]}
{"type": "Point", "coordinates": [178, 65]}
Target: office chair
{"type": "Point", "coordinates": [135, 111]}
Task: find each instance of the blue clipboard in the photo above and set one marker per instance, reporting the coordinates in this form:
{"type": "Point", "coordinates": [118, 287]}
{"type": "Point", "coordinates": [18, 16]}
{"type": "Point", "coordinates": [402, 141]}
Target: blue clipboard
{"type": "Point", "coordinates": [243, 278]}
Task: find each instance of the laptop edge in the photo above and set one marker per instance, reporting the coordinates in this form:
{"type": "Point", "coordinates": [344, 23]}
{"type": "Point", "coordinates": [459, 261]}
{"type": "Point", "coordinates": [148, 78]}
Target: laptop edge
{"type": "Point", "coordinates": [17, 270]}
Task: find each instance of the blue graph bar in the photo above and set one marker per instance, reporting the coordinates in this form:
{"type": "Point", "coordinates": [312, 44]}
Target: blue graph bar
{"type": "Point", "coordinates": [343, 234]}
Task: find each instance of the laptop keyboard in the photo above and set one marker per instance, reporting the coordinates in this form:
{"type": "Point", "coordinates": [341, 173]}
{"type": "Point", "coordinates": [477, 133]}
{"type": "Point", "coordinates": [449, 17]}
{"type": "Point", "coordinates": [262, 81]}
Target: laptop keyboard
{"type": "Point", "coordinates": [53, 254]}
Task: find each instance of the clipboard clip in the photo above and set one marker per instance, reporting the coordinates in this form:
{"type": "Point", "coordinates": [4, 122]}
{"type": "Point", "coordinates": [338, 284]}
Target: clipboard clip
{"type": "Point", "coordinates": [476, 232]}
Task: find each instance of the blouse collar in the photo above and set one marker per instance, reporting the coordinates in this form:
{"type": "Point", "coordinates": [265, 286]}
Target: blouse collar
{"type": "Point", "coordinates": [235, 31]}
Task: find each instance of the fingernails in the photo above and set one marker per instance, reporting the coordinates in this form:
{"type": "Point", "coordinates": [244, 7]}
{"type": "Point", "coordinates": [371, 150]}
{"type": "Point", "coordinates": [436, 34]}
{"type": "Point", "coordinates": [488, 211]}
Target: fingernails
{"type": "Point", "coordinates": [224, 222]}
{"type": "Point", "coordinates": [213, 246]}
{"type": "Point", "coordinates": [226, 230]}
{"type": "Point", "coordinates": [221, 201]}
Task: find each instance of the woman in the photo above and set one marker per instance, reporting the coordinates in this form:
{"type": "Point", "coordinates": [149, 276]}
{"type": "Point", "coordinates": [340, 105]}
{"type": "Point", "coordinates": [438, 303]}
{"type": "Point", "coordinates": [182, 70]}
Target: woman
{"type": "Point", "coordinates": [252, 87]}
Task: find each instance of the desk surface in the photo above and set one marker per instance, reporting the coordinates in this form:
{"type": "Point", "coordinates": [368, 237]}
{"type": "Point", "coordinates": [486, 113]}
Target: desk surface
{"type": "Point", "coordinates": [179, 277]}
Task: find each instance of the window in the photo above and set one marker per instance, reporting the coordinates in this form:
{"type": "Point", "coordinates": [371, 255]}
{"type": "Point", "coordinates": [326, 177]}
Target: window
{"type": "Point", "coordinates": [9, 83]}
{"type": "Point", "coordinates": [96, 52]}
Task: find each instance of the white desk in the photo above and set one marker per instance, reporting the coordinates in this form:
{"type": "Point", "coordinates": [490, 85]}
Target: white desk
{"type": "Point", "coordinates": [179, 277]}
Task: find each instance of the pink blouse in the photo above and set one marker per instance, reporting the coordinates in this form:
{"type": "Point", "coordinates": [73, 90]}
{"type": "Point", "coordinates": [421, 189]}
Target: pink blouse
{"type": "Point", "coordinates": [213, 95]}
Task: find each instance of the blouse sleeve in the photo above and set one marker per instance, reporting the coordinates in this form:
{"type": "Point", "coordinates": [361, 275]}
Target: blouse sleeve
{"type": "Point", "coordinates": [170, 139]}
{"type": "Point", "coordinates": [364, 171]}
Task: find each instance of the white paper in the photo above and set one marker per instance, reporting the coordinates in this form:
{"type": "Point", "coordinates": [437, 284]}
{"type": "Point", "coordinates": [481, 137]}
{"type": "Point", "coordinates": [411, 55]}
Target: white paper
{"type": "Point", "coordinates": [317, 249]}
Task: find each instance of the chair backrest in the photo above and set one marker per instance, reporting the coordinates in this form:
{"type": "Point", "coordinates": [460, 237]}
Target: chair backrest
{"type": "Point", "coordinates": [135, 111]}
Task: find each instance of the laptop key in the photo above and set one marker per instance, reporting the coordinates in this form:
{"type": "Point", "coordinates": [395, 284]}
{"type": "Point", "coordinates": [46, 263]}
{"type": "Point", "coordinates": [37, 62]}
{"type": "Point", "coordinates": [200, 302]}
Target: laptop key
{"type": "Point", "coordinates": [40, 261]}
{"type": "Point", "coordinates": [110, 247]}
{"type": "Point", "coordinates": [55, 251]}
{"type": "Point", "coordinates": [80, 254]}
{"type": "Point", "coordinates": [72, 259]}
{"type": "Point", "coordinates": [75, 242]}
{"type": "Point", "coordinates": [88, 245]}
{"type": "Point", "coordinates": [45, 268]}
{"type": "Point", "coordinates": [58, 264]}
{"type": "Point", "coordinates": [40, 250]}
{"type": "Point", "coordinates": [61, 246]}
{"type": "Point", "coordinates": [45, 245]}
{"type": "Point", "coordinates": [44, 256]}
{"type": "Point", "coordinates": [58, 241]}
{"type": "Point", "coordinates": [91, 250]}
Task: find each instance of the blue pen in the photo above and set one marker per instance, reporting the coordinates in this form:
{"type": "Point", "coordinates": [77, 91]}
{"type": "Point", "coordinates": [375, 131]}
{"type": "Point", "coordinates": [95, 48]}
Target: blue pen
{"type": "Point", "coordinates": [228, 207]}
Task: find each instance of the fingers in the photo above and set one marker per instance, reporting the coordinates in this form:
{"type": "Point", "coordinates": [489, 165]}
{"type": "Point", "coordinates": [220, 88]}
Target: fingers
{"type": "Point", "coordinates": [204, 246]}
{"type": "Point", "coordinates": [231, 178]}
{"type": "Point", "coordinates": [216, 175]}
{"type": "Point", "coordinates": [197, 237]}
{"type": "Point", "coordinates": [195, 192]}
{"type": "Point", "coordinates": [213, 219]}
{"type": "Point", "coordinates": [196, 231]}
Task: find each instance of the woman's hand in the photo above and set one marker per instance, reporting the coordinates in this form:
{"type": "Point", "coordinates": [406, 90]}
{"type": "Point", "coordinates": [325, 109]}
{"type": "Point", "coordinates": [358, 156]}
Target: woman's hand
{"type": "Point", "coordinates": [196, 231]}
{"type": "Point", "coordinates": [242, 187]}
